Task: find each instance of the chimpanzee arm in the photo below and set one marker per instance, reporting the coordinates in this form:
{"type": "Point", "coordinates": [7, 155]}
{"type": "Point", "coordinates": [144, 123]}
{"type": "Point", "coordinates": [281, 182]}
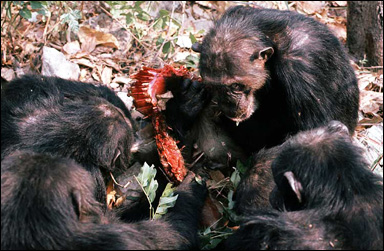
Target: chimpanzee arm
{"type": "Point", "coordinates": [176, 230]}
{"type": "Point", "coordinates": [189, 99]}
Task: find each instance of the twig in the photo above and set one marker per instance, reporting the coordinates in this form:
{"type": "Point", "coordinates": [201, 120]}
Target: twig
{"type": "Point", "coordinates": [146, 195]}
{"type": "Point", "coordinates": [58, 47]}
{"type": "Point", "coordinates": [376, 162]}
{"type": "Point", "coordinates": [114, 181]}
{"type": "Point", "coordinates": [371, 67]}
{"type": "Point", "coordinates": [48, 32]}
{"type": "Point", "coordinates": [196, 160]}
{"type": "Point", "coordinates": [182, 18]}
{"type": "Point", "coordinates": [46, 28]}
{"type": "Point", "coordinates": [168, 32]}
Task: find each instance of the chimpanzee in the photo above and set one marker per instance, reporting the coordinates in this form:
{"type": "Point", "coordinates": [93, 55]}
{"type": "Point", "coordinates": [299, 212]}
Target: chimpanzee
{"type": "Point", "coordinates": [329, 198]}
{"type": "Point", "coordinates": [267, 74]}
{"type": "Point", "coordinates": [47, 202]}
{"type": "Point", "coordinates": [71, 119]}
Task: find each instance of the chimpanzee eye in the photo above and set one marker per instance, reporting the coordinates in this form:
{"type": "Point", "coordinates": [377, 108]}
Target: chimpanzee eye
{"type": "Point", "coordinates": [237, 87]}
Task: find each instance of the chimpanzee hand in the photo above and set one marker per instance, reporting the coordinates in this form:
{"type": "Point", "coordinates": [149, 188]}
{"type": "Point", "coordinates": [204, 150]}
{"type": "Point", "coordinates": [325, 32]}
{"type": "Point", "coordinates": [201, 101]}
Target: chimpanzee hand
{"type": "Point", "coordinates": [194, 185]}
{"type": "Point", "coordinates": [188, 208]}
{"type": "Point", "coordinates": [193, 99]}
{"type": "Point", "coordinates": [189, 99]}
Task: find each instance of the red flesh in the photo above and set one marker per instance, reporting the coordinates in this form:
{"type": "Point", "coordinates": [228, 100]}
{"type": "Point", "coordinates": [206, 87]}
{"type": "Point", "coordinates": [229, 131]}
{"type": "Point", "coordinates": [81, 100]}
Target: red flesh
{"type": "Point", "coordinates": [149, 83]}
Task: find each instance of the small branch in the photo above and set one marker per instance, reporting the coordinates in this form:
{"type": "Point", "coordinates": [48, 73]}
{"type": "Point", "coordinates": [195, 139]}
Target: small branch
{"type": "Point", "coordinates": [168, 32]}
{"type": "Point", "coordinates": [46, 28]}
{"type": "Point", "coordinates": [114, 181]}
{"type": "Point", "coordinates": [146, 195]}
{"type": "Point", "coordinates": [371, 67]}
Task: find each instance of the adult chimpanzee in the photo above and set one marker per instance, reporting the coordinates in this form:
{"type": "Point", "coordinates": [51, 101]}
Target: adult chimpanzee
{"type": "Point", "coordinates": [47, 202]}
{"type": "Point", "coordinates": [70, 119]}
{"type": "Point", "coordinates": [266, 74]}
{"type": "Point", "coordinates": [330, 199]}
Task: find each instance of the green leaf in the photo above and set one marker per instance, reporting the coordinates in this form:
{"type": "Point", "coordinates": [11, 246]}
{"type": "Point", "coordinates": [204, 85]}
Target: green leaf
{"type": "Point", "coordinates": [167, 47]}
{"type": "Point", "coordinates": [207, 231]}
{"type": "Point", "coordinates": [235, 178]}
{"type": "Point", "coordinates": [147, 173]}
{"type": "Point", "coordinates": [71, 19]}
{"type": "Point", "coordinates": [36, 5]}
{"type": "Point", "coordinates": [192, 37]}
{"type": "Point", "coordinates": [137, 4]}
{"type": "Point", "coordinates": [43, 12]}
{"type": "Point", "coordinates": [158, 24]}
{"type": "Point", "coordinates": [212, 244]}
{"type": "Point", "coordinates": [177, 23]}
{"type": "Point", "coordinates": [200, 32]}
{"type": "Point", "coordinates": [159, 41]}
{"type": "Point", "coordinates": [25, 13]}
{"type": "Point", "coordinates": [199, 180]}
{"type": "Point", "coordinates": [129, 18]}
{"type": "Point", "coordinates": [231, 203]}
{"type": "Point", "coordinates": [18, 2]}
{"type": "Point", "coordinates": [243, 167]}
{"type": "Point", "coordinates": [165, 22]}
{"type": "Point", "coordinates": [151, 189]}
{"type": "Point", "coordinates": [146, 178]}
{"type": "Point", "coordinates": [167, 200]}
{"type": "Point", "coordinates": [144, 16]}
{"type": "Point", "coordinates": [76, 14]}
{"type": "Point", "coordinates": [163, 13]}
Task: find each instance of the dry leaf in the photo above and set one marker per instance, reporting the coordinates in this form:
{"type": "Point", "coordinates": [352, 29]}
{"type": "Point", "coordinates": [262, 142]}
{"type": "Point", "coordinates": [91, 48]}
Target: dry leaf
{"type": "Point", "coordinates": [84, 62]}
{"type": "Point", "coordinates": [111, 195]}
{"type": "Point", "coordinates": [71, 47]}
{"type": "Point", "coordinates": [312, 7]}
{"type": "Point", "coordinates": [114, 196]}
{"type": "Point", "coordinates": [90, 38]}
{"type": "Point", "coordinates": [112, 64]}
{"type": "Point", "coordinates": [216, 175]}
{"type": "Point", "coordinates": [106, 75]}
{"type": "Point", "coordinates": [123, 80]}
{"type": "Point", "coordinates": [371, 102]}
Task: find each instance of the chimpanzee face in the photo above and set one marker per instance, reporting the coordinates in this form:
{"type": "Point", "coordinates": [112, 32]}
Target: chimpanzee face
{"type": "Point", "coordinates": [236, 101]}
{"type": "Point", "coordinates": [235, 68]}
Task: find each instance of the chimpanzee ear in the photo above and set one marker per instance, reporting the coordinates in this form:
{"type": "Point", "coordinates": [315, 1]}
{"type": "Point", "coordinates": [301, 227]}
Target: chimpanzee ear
{"type": "Point", "coordinates": [295, 185]}
{"type": "Point", "coordinates": [115, 157]}
{"type": "Point", "coordinates": [76, 201]}
{"type": "Point", "coordinates": [264, 54]}
{"type": "Point", "coordinates": [196, 47]}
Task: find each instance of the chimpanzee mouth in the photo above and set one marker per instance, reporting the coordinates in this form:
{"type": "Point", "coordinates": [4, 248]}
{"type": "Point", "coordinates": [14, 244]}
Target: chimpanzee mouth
{"type": "Point", "coordinates": [245, 115]}
{"type": "Point", "coordinates": [239, 119]}
{"type": "Point", "coordinates": [245, 112]}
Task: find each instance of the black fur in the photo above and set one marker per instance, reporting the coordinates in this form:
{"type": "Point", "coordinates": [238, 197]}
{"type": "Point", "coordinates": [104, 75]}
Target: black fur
{"type": "Point", "coordinates": [47, 202]}
{"type": "Point", "coordinates": [277, 73]}
{"type": "Point", "coordinates": [257, 183]}
{"type": "Point", "coordinates": [70, 119]}
{"type": "Point", "coordinates": [332, 202]}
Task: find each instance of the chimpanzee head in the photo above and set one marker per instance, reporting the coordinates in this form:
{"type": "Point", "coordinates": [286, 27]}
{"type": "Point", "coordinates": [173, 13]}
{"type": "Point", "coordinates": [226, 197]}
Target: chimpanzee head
{"type": "Point", "coordinates": [232, 61]}
{"type": "Point", "coordinates": [318, 167]}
